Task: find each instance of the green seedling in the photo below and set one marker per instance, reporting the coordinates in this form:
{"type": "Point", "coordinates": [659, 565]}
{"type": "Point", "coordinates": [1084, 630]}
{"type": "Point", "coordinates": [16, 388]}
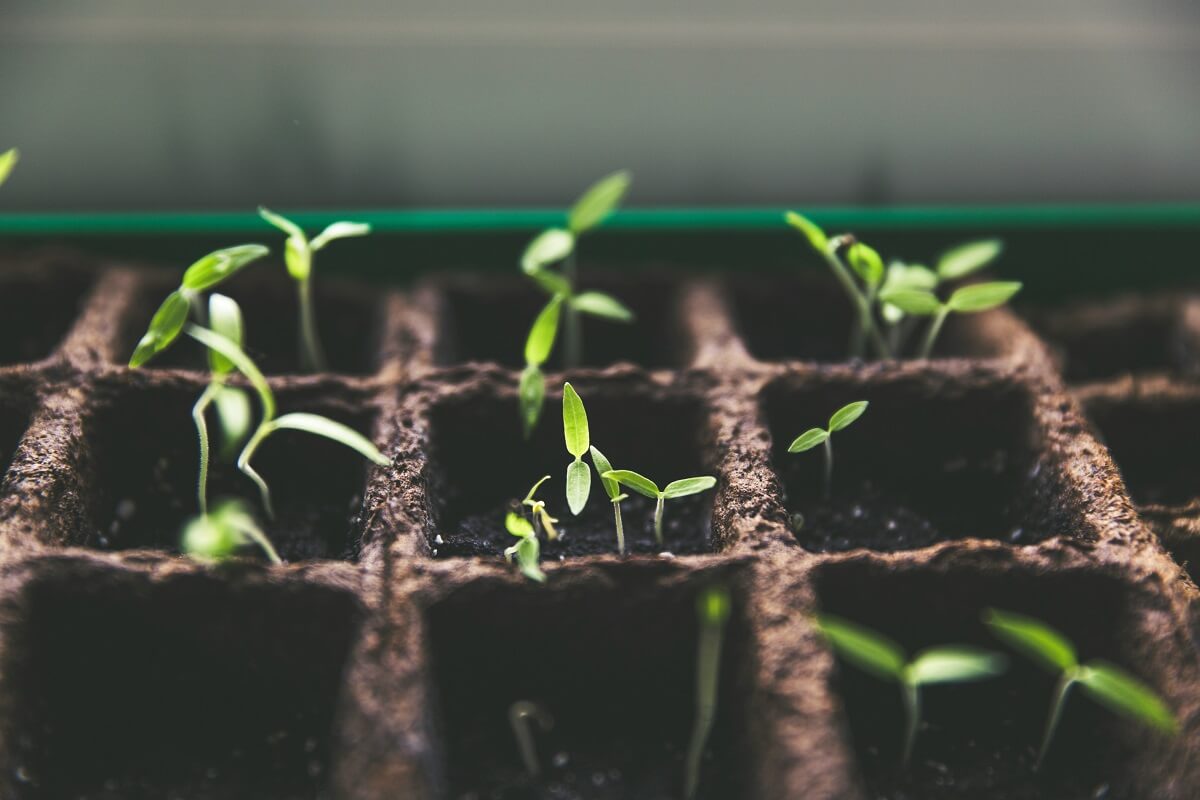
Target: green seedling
{"type": "Point", "coordinates": [970, 299]}
{"type": "Point", "coordinates": [712, 609]}
{"type": "Point", "coordinates": [298, 255]}
{"type": "Point", "coordinates": [575, 433]}
{"type": "Point", "coordinates": [527, 550]}
{"type": "Point", "coordinates": [647, 488]}
{"type": "Point", "coordinates": [880, 656]}
{"type": "Point", "coordinates": [1109, 685]}
{"type": "Point", "coordinates": [615, 495]}
{"type": "Point", "coordinates": [842, 418]}
{"type": "Point", "coordinates": [217, 535]}
{"type": "Point", "coordinates": [8, 160]}
{"type": "Point", "coordinates": [531, 391]}
{"type": "Point", "coordinates": [519, 715]}
{"type": "Point", "coordinates": [538, 512]}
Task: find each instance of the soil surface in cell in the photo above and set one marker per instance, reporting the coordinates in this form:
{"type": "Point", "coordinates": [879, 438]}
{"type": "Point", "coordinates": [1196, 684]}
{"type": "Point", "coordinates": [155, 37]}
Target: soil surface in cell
{"type": "Point", "coordinates": [36, 312]}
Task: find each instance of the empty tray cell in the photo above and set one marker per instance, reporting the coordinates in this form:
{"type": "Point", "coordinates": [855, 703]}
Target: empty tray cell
{"type": "Point", "coordinates": [349, 324]}
{"type": "Point", "coordinates": [123, 686]}
{"type": "Point", "coordinates": [15, 409]}
{"type": "Point", "coordinates": [808, 317]}
{"type": "Point", "coordinates": [936, 456]}
{"type": "Point", "coordinates": [1122, 335]}
{"type": "Point", "coordinates": [481, 467]}
{"type": "Point", "coordinates": [488, 319]}
{"type": "Point", "coordinates": [980, 740]}
{"type": "Point", "coordinates": [144, 464]}
{"type": "Point", "coordinates": [613, 663]}
{"type": "Point", "coordinates": [40, 298]}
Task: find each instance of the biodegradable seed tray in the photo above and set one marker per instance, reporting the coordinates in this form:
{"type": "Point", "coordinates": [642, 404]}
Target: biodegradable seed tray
{"type": "Point", "coordinates": [380, 661]}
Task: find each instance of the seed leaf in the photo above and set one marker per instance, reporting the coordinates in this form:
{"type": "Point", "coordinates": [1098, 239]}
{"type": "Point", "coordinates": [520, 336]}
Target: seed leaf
{"type": "Point", "coordinates": [960, 261]}
{"type": "Point", "coordinates": [611, 487]}
{"type": "Point", "coordinates": [225, 318]}
{"type": "Point", "coordinates": [541, 336]}
{"type": "Point", "coordinates": [687, 486]}
{"type": "Point", "coordinates": [164, 328]}
{"type": "Point", "coordinates": [531, 394]}
{"type": "Point", "coordinates": [598, 202]}
{"type": "Point", "coordinates": [548, 247]}
{"type": "Point", "coordinates": [1034, 638]}
{"type": "Point", "coordinates": [862, 647]}
{"type": "Point", "coordinates": [575, 422]}
{"type": "Point", "coordinates": [339, 230]}
{"type": "Point", "coordinates": [233, 414]}
{"type": "Point", "coordinates": [8, 160]}
{"type": "Point", "coordinates": [297, 255]}
{"type": "Point", "coordinates": [982, 296]}
{"type": "Point", "coordinates": [517, 525]}
{"type": "Point", "coordinates": [215, 341]}
{"type": "Point", "coordinates": [909, 276]}
{"type": "Point", "coordinates": [1124, 694]}
{"type": "Point", "coordinates": [912, 301]}
{"type": "Point", "coordinates": [215, 267]}
{"type": "Point", "coordinates": [579, 486]}
{"type": "Point", "coordinates": [281, 222]}
{"type": "Point", "coordinates": [528, 553]}
{"type": "Point", "coordinates": [808, 440]}
{"type": "Point", "coordinates": [846, 415]}
{"type": "Point", "coordinates": [330, 429]}
{"type": "Point", "coordinates": [816, 236]}
{"type": "Point", "coordinates": [533, 490]}
{"type": "Point", "coordinates": [955, 664]}
{"type": "Point", "coordinates": [713, 605]}
{"type": "Point", "coordinates": [599, 304]}
{"type": "Point", "coordinates": [639, 483]}
{"type": "Point", "coordinates": [866, 262]}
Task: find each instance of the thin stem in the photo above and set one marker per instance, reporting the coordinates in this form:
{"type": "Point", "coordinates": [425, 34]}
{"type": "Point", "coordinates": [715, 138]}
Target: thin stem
{"type": "Point", "coordinates": [312, 357]}
{"type": "Point", "coordinates": [935, 327]}
{"type": "Point", "coordinates": [658, 520]}
{"type": "Point", "coordinates": [912, 708]}
{"type": "Point", "coordinates": [866, 323]}
{"type": "Point", "coordinates": [198, 410]}
{"type": "Point", "coordinates": [243, 464]}
{"type": "Point", "coordinates": [620, 527]}
{"type": "Point", "coordinates": [708, 662]}
{"type": "Point", "coordinates": [254, 534]}
{"type": "Point", "coordinates": [519, 714]}
{"type": "Point", "coordinates": [573, 335]}
{"type": "Point", "coordinates": [1060, 698]}
{"type": "Point", "coordinates": [828, 486]}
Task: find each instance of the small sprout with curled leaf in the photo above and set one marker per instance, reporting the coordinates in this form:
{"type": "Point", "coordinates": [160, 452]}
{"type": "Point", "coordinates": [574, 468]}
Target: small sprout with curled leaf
{"type": "Point", "coordinates": [841, 419]}
{"type": "Point", "coordinates": [615, 495]}
{"type": "Point", "coordinates": [648, 488]}
{"type": "Point", "coordinates": [538, 512]}
{"type": "Point", "coordinates": [527, 550]}
{"type": "Point", "coordinates": [217, 535]}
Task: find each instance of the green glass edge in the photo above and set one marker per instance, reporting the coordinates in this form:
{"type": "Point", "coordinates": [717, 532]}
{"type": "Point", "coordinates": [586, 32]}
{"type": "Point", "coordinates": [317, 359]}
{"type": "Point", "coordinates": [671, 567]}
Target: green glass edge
{"type": "Point", "coordinates": [427, 221]}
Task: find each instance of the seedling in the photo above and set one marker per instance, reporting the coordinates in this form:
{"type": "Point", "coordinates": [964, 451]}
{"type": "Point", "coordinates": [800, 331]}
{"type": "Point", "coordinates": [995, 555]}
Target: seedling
{"type": "Point", "coordinates": [531, 390]}
{"type": "Point", "coordinates": [575, 433]}
{"type": "Point", "coordinates": [8, 160]}
{"type": "Point", "coordinates": [1109, 685]}
{"type": "Point", "coordinates": [842, 418]}
{"type": "Point", "coordinates": [966, 300]}
{"type": "Point", "coordinates": [646, 487]}
{"type": "Point", "coordinates": [215, 536]}
{"type": "Point", "coordinates": [538, 512]}
{"type": "Point", "coordinates": [527, 550]}
{"type": "Point", "coordinates": [878, 655]}
{"type": "Point", "coordinates": [712, 608]}
{"type": "Point", "coordinates": [298, 255]}
{"type": "Point", "coordinates": [519, 714]}
{"type": "Point", "coordinates": [615, 495]}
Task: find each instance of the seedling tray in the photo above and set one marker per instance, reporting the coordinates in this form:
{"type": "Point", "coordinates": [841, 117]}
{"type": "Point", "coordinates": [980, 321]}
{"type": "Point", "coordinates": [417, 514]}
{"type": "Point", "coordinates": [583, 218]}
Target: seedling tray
{"type": "Point", "coordinates": [379, 662]}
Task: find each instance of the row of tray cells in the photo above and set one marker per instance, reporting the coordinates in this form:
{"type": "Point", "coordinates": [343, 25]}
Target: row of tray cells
{"type": "Point", "coordinates": [612, 661]}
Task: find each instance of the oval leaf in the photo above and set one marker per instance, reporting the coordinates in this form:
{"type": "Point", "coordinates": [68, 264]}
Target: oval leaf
{"type": "Point", "coordinates": [1126, 695]}
{"type": "Point", "coordinates": [602, 465]}
{"type": "Point", "coordinates": [687, 486]}
{"type": "Point", "coordinates": [333, 430]}
{"type": "Point", "coordinates": [960, 261]}
{"type": "Point", "coordinates": [846, 415]}
{"type": "Point", "coordinates": [598, 201]}
{"type": "Point", "coordinates": [575, 423]}
{"type": "Point", "coordinates": [955, 664]}
{"type": "Point", "coordinates": [225, 318]}
{"type": "Point", "coordinates": [982, 296]}
{"type": "Point", "coordinates": [599, 304]}
{"type": "Point", "coordinates": [297, 255]}
{"type": "Point", "coordinates": [234, 416]}
{"type": "Point", "coordinates": [909, 276]}
{"type": "Point", "coordinates": [281, 222]}
{"type": "Point", "coordinates": [531, 394]}
{"type": "Point", "coordinates": [865, 261]}
{"type": "Point", "coordinates": [8, 160]}
{"type": "Point", "coordinates": [517, 525]}
{"type": "Point", "coordinates": [816, 237]}
{"type": "Point", "coordinates": [579, 486]}
{"type": "Point", "coordinates": [541, 336]}
{"type": "Point", "coordinates": [164, 328]}
{"type": "Point", "coordinates": [808, 440]}
{"type": "Point", "coordinates": [863, 647]}
{"type": "Point", "coordinates": [913, 301]}
{"type": "Point", "coordinates": [639, 483]}
{"type": "Point", "coordinates": [340, 230]}
{"type": "Point", "coordinates": [215, 267]}
{"type": "Point", "coordinates": [548, 247]}
{"type": "Point", "coordinates": [1034, 638]}
{"type": "Point", "coordinates": [528, 554]}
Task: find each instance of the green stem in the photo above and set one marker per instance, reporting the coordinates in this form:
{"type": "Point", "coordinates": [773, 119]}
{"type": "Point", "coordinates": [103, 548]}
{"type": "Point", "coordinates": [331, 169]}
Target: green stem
{"type": "Point", "coordinates": [1060, 698]}
{"type": "Point", "coordinates": [198, 411]}
{"type": "Point", "coordinates": [658, 520]}
{"type": "Point", "coordinates": [912, 710]}
{"type": "Point", "coordinates": [935, 327]}
{"type": "Point", "coordinates": [243, 464]}
{"type": "Point", "coordinates": [519, 715]}
{"type": "Point", "coordinates": [620, 527]}
{"type": "Point", "coordinates": [866, 324]}
{"type": "Point", "coordinates": [312, 357]}
{"type": "Point", "coordinates": [573, 335]}
{"type": "Point", "coordinates": [828, 485]}
{"type": "Point", "coordinates": [708, 662]}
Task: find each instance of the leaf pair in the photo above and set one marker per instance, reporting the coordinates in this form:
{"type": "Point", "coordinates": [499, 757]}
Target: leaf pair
{"type": "Point", "coordinates": [842, 418]}
{"type": "Point", "coordinates": [298, 249]}
{"type": "Point", "coordinates": [578, 440]}
{"type": "Point", "coordinates": [647, 488]}
{"type": "Point", "coordinates": [965, 300]}
{"type": "Point", "coordinates": [538, 509]}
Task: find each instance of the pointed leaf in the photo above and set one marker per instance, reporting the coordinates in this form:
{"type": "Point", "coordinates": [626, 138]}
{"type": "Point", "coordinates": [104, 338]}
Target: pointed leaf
{"type": "Point", "coordinates": [219, 265]}
{"type": "Point", "coordinates": [333, 430]}
{"type": "Point", "coordinates": [529, 497]}
{"type": "Point", "coordinates": [687, 486]}
{"type": "Point", "coordinates": [808, 440]}
{"type": "Point", "coordinates": [164, 328]}
{"type": "Point", "coordinates": [912, 301]}
{"type": "Point", "coordinates": [517, 525]}
{"type": "Point", "coordinates": [639, 483]}
{"type": "Point", "coordinates": [598, 202]}
{"type": "Point", "coordinates": [215, 341]}
{"type": "Point", "coordinates": [1123, 693]}
{"type": "Point", "coordinates": [863, 647]}
{"type": "Point", "coordinates": [846, 415]}
{"type": "Point", "coordinates": [548, 247]}
{"type": "Point", "coordinates": [909, 276]}
{"type": "Point", "coordinates": [528, 554]}
{"type": "Point", "coordinates": [982, 296]}
{"type": "Point", "coordinates": [225, 318]}
{"type": "Point", "coordinates": [960, 261]}
{"type": "Point", "coordinates": [816, 236]}
{"type": "Point", "coordinates": [1033, 638]}
{"type": "Point", "coordinates": [865, 261]}
{"type": "Point", "coordinates": [281, 222]}
{"type": "Point", "coordinates": [955, 664]}
{"type": "Point", "coordinates": [541, 336]}
{"type": "Point", "coordinates": [8, 160]}
{"type": "Point", "coordinates": [599, 304]}
{"type": "Point", "coordinates": [611, 487]}
{"type": "Point", "coordinates": [531, 394]}
{"type": "Point", "coordinates": [233, 415]}
{"type": "Point", "coordinates": [339, 230]}
{"type": "Point", "coordinates": [579, 486]}
{"type": "Point", "coordinates": [575, 422]}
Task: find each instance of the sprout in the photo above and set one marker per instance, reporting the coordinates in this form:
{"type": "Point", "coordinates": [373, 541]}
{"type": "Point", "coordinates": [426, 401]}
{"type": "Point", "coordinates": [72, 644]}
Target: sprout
{"type": "Point", "coordinates": [531, 391]}
{"type": "Point", "coordinates": [966, 300]}
{"type": "Point", "coordinates": [842, 418]}
{"type": "Point", "coordinates": [615, 495]}
{"type": "Point", "coordinates": [646, 487]}
{"type": "Point", "coordinates": [575, 432]}
{"type": "Point", "coordinates": [537, 509]}
{"type": "Point", "coordinates": [215, 536]}
{"type": "Point", "coordinates": [1107, 684]}
{"type": "Point", "coordinates": [8, 160]}
{"type": "Point", "coordinates": [298, 255]}
{"type": "Point", "coordinates": [874, 653]}
{"type": "Point", "coordinates": [712, 608]}
{"type": "Point", "coordinates": [519, 714]}
{"type": "Point", "coordinates": [527, 550]}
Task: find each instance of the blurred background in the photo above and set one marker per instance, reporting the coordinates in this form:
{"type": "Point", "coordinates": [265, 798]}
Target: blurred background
{"type": "Point", "coordinates": [156, 105]}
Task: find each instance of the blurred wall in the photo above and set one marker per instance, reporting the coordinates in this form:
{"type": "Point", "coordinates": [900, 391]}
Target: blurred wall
{"type": "Point", "coordinates": [225, 104]}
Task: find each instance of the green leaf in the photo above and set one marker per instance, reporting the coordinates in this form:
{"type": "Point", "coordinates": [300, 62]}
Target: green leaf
{"type": "Point", "coordinates": [982, 296]}
{"type": "Point", "coordinates": [531, 394]}
{"type": "Point", "coordinates": [219, 265]}
{"type": "Point", "coordinates": [548, 247]}
{"type": "Point", "coordinates": [1034, 638]}
{"type": "Point", "coordinates": [225, 318]}
{"type": "Point", "coordinates": [808, 440]}
{"type": "Point", "coordinates": [579, 486]}
{"type": "Point", "coordinates": [599, 304]}
{"type": "Point", "coordinates": [164, 328]}
{"type": "Point", "coordinates": [960, 261]}
{"type": "Point", "coordinates": [816, 236]}
{"type": "Point", "coordinates": [297, 255]}
{"type": "Point", "coordinates": [913, 301]}
{"type": "Point", "coordinates": [863, 647]}
{"type": "Point", "coordinates": [517, 525]}
{"type": "Point", "coordinates": [846, 415]}
{"type": "Point", "coordinates": [955, 664]}
{"type": "Point", "coordinates": [215, 341]}
{"type": "Point", "coordinates": [602, 465]}
{"type": "Point", "coordinates": [541, 336]}
{"type": "Point", "coordinates": [233, 415]}
{"type": "Point", "coordinates": [575, 422]}
{"type": "Point", "coordinates": [339, 230]}
{"type": "Point", "coordinates": [330, 429]}
{"type": "Point", "coordinates": [208, 538]}
{"type": "Point", "coordinates": [1123, 693]}
{"type": "Point", "coordinates": [528, 554]}
{"type": "Point", "coordinates": [598, 202]}
{"type": "Point", "coordinates": [909, 276]}
{"type": "Point", "coordinates": [8, 160]}
{"type": "Point", "coordinates": [687, 486]}
{"type": "Point", "coordinates": [865, 261]}
{"type": "Point", "coordinates": [529, 496]}
{"type": "Point", "coordinates": [713, 606]}
{"type": "Point", "coordinates": [639, 483]}
{"type": "Point", "coordinates": [281, 222]}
